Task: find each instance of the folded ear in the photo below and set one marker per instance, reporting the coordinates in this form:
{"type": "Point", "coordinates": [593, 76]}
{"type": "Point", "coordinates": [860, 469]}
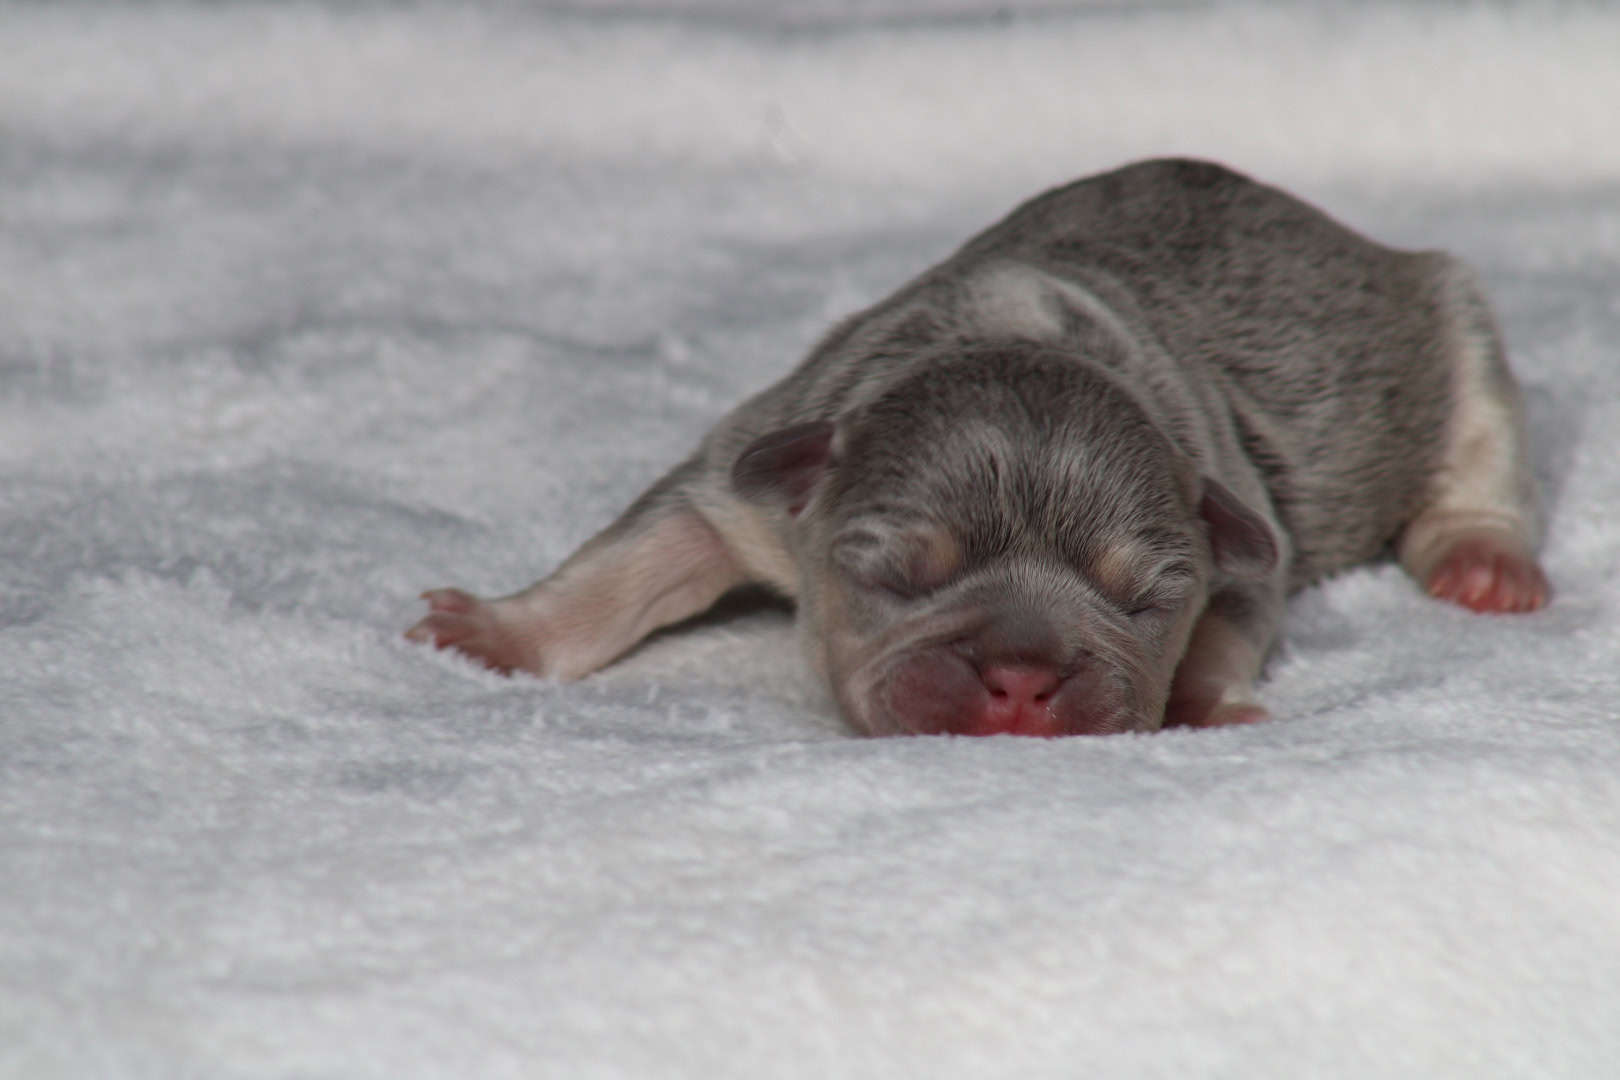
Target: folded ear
{"type": "Point", "coordinates": [784, 466]}
{"type": "Point", "coordinates": [1241, 539]}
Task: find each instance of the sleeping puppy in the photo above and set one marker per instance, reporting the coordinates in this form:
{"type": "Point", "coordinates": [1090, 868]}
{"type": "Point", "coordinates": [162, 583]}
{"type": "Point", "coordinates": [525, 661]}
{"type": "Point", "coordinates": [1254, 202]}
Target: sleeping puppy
{"type": "Point", "coordinates": [1062, 482]}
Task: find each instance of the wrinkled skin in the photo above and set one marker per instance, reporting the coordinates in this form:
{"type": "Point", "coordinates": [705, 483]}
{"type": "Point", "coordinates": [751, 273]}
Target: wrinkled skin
{"type": "Point", "coordinates": [973, 594]}
{"type": "Point", "coordinates": [1063, 482]}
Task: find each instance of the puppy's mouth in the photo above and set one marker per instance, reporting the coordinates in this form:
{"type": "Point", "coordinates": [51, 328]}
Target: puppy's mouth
{"type": "Point", "coordinates": [934, 690]}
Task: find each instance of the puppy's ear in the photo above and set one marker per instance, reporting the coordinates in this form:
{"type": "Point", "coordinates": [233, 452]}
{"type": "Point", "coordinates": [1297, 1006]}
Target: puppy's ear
{"type": "Point", "coordinates": [784, 466]}
{"type": "Point", "coordinates": [1241, 539]}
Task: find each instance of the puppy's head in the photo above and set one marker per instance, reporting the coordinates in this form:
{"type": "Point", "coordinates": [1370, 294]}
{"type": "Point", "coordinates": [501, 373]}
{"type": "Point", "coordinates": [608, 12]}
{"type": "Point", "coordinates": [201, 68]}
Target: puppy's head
{"type": "Point", "coordinates": [1001, 543]}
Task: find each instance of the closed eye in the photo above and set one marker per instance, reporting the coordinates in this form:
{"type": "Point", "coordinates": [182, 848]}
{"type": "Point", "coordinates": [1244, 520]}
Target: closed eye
{"type": "Point", "coordinates": [907, 563]}
{"type": "Point", "coordinates": [879, 576]}
{"type": "Point", "coordinates": [869, 565]}
{"type": "Point", "coordinates": [1164, 589]}
{"type": "Point", "coordinates": [1163, 599]}
{"type": "Point", "coordinates": [898, 590]}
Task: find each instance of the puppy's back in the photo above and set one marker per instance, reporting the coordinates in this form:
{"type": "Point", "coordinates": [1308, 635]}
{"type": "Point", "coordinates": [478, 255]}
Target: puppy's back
{"type": "Point", "coordinates": [1331, 350]}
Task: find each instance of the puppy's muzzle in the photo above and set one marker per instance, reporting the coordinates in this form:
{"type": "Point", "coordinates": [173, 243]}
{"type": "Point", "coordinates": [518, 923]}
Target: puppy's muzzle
{"type": "Point", "coordinates": [938, 692]}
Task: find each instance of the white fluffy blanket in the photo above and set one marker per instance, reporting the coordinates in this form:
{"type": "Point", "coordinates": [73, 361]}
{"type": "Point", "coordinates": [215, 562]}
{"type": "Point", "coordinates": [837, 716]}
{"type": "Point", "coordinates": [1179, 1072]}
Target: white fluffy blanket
{"type": "Point", "coordinates": [305, 308]}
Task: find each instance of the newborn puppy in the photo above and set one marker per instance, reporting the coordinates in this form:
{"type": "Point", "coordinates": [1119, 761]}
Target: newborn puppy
{"type": "Point", "coordinates": [1062, 482]}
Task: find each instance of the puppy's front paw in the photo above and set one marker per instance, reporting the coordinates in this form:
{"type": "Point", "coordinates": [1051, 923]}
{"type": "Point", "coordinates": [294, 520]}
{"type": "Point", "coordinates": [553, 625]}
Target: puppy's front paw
{"type": "Point", "coordinates": [1209, 713]}
{"type": "Point", "coordinates": [460, 621]}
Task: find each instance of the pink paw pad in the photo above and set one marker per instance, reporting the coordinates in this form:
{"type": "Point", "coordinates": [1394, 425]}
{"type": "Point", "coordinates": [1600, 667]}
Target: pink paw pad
{"type": "Point", "coordinates": [1482, 574]}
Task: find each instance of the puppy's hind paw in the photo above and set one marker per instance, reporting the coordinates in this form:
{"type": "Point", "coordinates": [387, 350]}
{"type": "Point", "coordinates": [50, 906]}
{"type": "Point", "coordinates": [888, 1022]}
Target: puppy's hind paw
{"type": "Point", "coordinates": [1487, 573]}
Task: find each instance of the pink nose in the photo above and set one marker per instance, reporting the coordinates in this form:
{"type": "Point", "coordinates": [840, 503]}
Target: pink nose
{"type": "Point", "coordinates": [1019, 697]}
{"type": "Point", "coordinates": [1020, 683]}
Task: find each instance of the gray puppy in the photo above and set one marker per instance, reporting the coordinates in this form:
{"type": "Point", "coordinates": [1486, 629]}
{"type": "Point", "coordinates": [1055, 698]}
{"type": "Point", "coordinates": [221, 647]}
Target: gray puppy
{"type": "Point", "coordinates": [1062, 482]}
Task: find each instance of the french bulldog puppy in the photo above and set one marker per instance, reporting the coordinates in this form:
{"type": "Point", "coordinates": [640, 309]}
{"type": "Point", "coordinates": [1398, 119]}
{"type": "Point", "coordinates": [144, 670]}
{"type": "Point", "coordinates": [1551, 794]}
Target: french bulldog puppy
{"type": "Point", "coordinates": [1063, 482]}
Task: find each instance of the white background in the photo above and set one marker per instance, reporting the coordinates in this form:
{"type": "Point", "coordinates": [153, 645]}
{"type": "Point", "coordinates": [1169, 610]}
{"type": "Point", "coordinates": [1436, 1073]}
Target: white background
{"type": "Point", "coordinates": [305, 308]}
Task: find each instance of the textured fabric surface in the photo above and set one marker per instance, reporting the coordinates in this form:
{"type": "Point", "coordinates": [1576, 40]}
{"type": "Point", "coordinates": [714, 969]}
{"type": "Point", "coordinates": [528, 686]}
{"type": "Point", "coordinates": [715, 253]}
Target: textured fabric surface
{"type": "Point", "coordinates": [304, 309]}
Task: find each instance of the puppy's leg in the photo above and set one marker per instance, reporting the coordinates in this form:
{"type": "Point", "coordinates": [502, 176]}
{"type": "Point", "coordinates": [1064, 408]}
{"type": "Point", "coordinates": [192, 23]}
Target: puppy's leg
{"type": "Point", "coordinates": [1214, 683]}
{"type": "Point", "coordinates": [1474, 542]}
{"type": "Point", "coordinates": [662, 561]}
